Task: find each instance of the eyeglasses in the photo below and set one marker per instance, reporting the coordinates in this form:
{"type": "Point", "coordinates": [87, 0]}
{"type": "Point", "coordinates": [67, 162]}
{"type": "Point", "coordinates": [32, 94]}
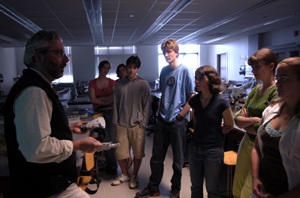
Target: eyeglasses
{"type": "Point", "coordinates": [282, 79]}
{"type": "Point", "coordinates": [59, 53]}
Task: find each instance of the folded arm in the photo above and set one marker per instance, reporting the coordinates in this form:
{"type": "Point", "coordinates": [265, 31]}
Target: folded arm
{"type": "Point", "coordinates": [244, 121]}
{"type": "Point", "coordinates": [103, 100]}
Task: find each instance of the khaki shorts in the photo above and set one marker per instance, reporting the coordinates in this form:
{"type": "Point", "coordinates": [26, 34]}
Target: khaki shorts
{"type": "Point", "coordinates": [130, 138]}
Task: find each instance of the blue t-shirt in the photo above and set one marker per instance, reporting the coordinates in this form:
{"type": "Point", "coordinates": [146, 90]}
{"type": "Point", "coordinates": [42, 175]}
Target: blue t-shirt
{"type": "Point", "coordinates": [207, 130]}
{"type": "Point", "coordinates": [175, 85]}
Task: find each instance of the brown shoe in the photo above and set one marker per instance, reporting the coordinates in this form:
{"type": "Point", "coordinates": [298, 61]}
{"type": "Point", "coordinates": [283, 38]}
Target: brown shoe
{"type": "Point", "coordinates": [147, 192]}
{"type": "Point", "coordinates": [175, 194]}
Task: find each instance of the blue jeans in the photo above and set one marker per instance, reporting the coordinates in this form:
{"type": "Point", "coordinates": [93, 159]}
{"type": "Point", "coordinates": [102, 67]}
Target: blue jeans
{"type": "Point", "coordinates": [174, 133]}
{"type": "Point", "coordinates": [205, 163]}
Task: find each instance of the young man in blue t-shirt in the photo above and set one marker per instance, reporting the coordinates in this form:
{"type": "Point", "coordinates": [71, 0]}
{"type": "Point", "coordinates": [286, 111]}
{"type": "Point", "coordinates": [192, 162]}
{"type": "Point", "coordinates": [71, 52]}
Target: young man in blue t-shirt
{"type": "Point", "coordinates": [177, 87]}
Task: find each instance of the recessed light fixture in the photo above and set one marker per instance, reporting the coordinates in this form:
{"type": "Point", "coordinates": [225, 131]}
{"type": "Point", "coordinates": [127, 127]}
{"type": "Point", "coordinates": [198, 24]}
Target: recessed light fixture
{"type": "Point", "coordinates": [131, 15]}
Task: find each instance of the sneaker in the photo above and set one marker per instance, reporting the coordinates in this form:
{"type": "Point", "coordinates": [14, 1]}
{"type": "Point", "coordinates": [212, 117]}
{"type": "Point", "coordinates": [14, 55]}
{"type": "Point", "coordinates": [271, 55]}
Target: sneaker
{"type": "Point", "coordinates": [134, 183]}
{"type": "Point", "coordinates": [175, 194]}
{"type": "Point", "coordinates": [147, 192]}
{"type": "Point", "coordinates": [122, 178]}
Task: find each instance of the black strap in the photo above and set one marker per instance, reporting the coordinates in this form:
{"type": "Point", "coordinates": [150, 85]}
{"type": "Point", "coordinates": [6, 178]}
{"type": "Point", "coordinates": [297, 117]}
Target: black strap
{"type": "Point", "coordinates": [96, 179]}
{"type": "Point", "coordinates": [93, 181]}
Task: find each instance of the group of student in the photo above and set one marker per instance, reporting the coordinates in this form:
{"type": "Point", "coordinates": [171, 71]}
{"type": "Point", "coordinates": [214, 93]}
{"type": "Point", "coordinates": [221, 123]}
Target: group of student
{"type": "Point", "coordinates": [126, 108]}
{"type": "Point", "coordinates": [129, 101]}
{"type": "Point", "coordinates": [41, 148]}
{"type": "Point", "coordinates": [269, 154]}
{"type": "Point", "coordinates": [263, 170]}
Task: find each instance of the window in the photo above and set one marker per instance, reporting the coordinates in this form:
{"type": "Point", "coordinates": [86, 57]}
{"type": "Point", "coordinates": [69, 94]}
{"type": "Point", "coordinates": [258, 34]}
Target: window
{"type": "Point", "coordinates": [189, 55]}
{"type": "Point", "coordinates": [68, 72]}
{"type": "Point", "coordinates": [115, 55]}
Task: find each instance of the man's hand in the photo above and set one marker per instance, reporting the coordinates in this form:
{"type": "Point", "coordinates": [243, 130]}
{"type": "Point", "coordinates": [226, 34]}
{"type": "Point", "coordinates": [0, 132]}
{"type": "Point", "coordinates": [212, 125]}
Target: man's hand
{"type": "Point", "coordinates": [107, 146]}
{"type": "Point", "coordinates": [87, 145]}
{"type": "Point", "coordinates": [76, 128]}
{"type": "Point", "coordinates": [96, 123]}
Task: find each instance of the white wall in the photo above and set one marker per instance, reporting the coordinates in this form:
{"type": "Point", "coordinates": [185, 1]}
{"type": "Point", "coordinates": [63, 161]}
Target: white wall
{"type": "Point", "coordinates": [236, 51]}
{"type": "Point", "coordinates": [282, 36]}
{"type": "Point", "coordinates": [7, 68]}
{"type": "Point", "coordinates": [83, 63]}
{"type": "Point", "coordinates": [19, 59]}
{"type": "Point", "coordinates": [204, 55]}
{"type": "Point", "coordinates": [149, 58]}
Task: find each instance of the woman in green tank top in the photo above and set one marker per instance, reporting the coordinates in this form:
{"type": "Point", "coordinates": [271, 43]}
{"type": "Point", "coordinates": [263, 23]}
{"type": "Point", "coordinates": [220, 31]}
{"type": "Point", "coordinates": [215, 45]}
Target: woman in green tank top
{"type": "Point", "coordinates": [263, 63]}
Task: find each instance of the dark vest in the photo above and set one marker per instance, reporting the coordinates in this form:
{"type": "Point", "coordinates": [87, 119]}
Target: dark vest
{"type": "Point", "coordinates": [35, 179]}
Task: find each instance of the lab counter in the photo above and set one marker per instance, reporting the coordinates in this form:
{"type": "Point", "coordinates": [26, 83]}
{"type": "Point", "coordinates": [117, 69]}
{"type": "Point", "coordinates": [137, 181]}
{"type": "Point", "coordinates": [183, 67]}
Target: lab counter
{"type": "Point", "coordinates": [234, 137]}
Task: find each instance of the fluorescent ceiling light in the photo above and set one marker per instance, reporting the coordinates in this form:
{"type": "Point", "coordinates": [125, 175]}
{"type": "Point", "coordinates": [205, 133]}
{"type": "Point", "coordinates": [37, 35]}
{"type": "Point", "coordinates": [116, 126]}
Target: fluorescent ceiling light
{"type": "Point", "coordinates": [225, 21]}
{"type": "Point", "coordinates": [19, 18]}
{"type": "Point", "coordinates": [173, 9]}
{"type": "Point", "coordinates": [11, 40]}
{"type": "Point", "coordinates": [93, 10]}
{"type": "Point", "coordinates": [252, 27]}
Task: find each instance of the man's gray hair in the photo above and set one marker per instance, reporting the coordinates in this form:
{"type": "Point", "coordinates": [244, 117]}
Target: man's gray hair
{"type": "Point", "coordinates": [41, 42]}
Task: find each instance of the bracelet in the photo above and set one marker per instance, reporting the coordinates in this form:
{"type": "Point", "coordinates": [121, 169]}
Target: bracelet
{"type": "Point", "coordinates": [254, 178]}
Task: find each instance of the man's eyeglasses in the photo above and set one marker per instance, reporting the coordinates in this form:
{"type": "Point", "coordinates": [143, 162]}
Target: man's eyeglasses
{"type": "Point", "coordinates": [59, 53]}
{"type": "Point", "coordinates": [282, 79]}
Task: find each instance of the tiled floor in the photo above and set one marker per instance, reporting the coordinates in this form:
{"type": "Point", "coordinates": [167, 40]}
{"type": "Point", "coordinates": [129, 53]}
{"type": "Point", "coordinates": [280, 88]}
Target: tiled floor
{"type": "Point", "coordinates": [123, 191]}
